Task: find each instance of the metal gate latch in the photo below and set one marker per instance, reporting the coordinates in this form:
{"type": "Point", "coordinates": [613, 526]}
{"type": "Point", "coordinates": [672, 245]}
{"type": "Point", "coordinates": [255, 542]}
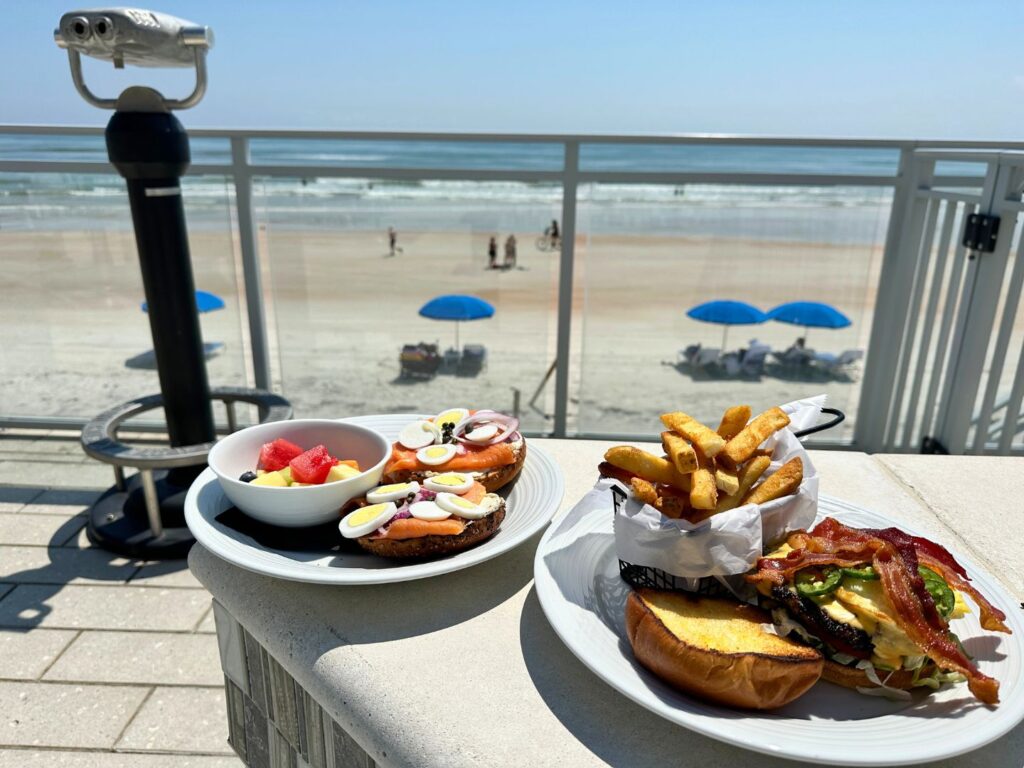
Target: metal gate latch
{"type": "Point", "coordinates": [980, 232]}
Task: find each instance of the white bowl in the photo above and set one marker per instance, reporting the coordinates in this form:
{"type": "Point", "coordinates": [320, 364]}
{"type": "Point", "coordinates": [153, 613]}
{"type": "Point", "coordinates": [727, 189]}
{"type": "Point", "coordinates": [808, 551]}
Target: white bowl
{"type": "Point", "coordinates": [309, 504]}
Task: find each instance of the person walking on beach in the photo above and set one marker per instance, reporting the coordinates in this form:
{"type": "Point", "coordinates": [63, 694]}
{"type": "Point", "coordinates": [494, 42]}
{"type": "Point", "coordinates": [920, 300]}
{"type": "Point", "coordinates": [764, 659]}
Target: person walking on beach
{"type": "Point", "coordinates": [510, 252]}
{"type": "Point", "coordinates": [492, 253]}
{"type": "Point", "coordinates": [393, 242]}
{"type": "Point", "coordinates": [552, 232]}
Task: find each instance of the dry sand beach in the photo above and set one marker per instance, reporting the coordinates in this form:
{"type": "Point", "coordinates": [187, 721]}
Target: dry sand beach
{"type": "Point", "coordinates": [340, 308]}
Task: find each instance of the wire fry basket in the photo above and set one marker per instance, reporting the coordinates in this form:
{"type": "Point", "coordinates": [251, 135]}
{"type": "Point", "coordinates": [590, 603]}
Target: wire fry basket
{"type": "Point", "coordinates": [638, 576]}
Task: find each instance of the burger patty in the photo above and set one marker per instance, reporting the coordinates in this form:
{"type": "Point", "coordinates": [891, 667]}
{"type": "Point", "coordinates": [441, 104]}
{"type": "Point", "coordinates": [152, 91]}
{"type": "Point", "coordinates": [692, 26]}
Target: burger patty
{"type": "Point", "coordinates": [835, 634]}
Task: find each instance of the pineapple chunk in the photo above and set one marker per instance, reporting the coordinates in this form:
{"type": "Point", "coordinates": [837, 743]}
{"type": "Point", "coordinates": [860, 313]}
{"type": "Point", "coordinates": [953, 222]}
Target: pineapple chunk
{"type": "Point", "coordinates": [274, 479]}
{"type": "Point", "coordinates": [341, 472]}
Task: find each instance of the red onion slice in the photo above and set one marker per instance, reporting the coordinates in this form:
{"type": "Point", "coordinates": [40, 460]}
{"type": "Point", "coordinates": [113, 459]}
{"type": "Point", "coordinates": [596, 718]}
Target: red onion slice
{"type": "Point", "coordinates": [509, 424]}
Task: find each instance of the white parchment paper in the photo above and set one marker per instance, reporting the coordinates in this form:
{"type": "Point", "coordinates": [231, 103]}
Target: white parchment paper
{"type": "Point", "coordinates": [728, 543]}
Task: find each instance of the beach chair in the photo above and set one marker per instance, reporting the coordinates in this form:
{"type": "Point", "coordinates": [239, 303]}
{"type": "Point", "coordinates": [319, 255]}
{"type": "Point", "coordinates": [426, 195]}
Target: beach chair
{"type": "Point", "coordinates": [752, 363]}
{"type": "Point", "coordinates": [474, 357]}
{"type": "Point", "coordinates": [730, 361]}
{"type": "Point", "coordinates": [707, 357]}
{"type": "Point", "coordinates": [688, 355]}
{"type": "Point", "coordinates": [451, 359]}
{"type": "Point", "coordinates": [835, 364]}
{"type": "Point", "coordinates": [419, 360]}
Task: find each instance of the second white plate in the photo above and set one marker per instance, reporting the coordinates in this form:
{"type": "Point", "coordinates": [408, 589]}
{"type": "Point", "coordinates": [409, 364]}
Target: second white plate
{"type": "Point", "coordinates": [576, 574]}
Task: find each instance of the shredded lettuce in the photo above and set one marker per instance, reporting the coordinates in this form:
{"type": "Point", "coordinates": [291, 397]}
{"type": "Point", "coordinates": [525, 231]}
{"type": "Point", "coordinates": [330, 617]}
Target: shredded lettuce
{"type": "Point", "coordinates": [883, 690]}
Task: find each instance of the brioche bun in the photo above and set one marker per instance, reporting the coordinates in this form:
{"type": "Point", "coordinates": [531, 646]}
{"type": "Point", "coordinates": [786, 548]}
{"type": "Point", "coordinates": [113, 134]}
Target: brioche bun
{"type": "Point", "coordinates": [436, 546]}
{"type": "Point", "coordinates": [492, 479]}
{"type": "Point", "coordinates": [718, 650]}
{"type": "Point", "coordinates": [851, 677]}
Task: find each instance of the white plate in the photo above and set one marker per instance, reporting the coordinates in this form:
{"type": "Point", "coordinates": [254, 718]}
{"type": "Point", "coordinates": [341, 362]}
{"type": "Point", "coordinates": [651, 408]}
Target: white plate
{"type": "Point", "coordinates": [577, 580]}
{"type": "Point", "coordinates": [533, 499]}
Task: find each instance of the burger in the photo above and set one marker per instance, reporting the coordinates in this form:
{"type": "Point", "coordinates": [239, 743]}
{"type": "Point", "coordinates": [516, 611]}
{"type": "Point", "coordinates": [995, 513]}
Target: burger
{"type": "Point", "coordinates": [877, 603]}
{"type": "Point", "coordinates": [438, 494]}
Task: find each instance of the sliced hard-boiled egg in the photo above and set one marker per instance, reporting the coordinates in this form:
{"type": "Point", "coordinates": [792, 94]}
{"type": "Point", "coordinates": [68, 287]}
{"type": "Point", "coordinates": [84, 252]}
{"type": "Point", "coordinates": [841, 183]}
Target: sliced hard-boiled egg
{"type": "Point", "coordinates": [366, 520]}
{"type": "Point", "coordinates": [450, 482]}
{"type": "Point", "coordinates": [483, 433]}
{"type": "Point", "coordinates": [428, 510]}
{"type": "Point", "coordinates": [461, 507]}
{"type": "Point", "coordinates": [419, 434]}
{"type": "Point", "coordinates": [451, 416]}
{"type": "Point", "coordinates": [392, 492]}
{"type": "Point", "coordinates": [433, 455]}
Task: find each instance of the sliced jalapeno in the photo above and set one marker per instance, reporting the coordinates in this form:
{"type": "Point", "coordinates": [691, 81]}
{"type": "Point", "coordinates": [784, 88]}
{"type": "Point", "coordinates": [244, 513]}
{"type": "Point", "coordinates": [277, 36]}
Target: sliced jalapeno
{"type": "Point", "coordinates": [943, 596]}
{"type": "Point", "coordinates": [812, 582]}
{"type": "Point", "coordinates": [864, 572]}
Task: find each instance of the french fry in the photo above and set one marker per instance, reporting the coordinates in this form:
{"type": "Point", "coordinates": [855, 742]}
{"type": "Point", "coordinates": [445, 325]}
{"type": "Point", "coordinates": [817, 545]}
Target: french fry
{"type": "Point", "coordinates": [743, 446]}
{"type": "Point", "coordinates": [703, 493]}
{"type": "Point", "coordinates": [702, 437]}
{"type": "Point", "coordinates": [646, 465]}
{"type": "Point", "coordinates": [733, 421]}
{"type": "Point", "coordinates": [644, 491]}
{"type": "Point", "coordinates": [748, 475]}
{"type": "Point", "coordinates": [782, 483]}
{"type": "Point", "coordinates": [672, 503]}
{"type": "Point", "coordinates": [680, 452]}
{"type": "Point", "coordinates": [727, 480]}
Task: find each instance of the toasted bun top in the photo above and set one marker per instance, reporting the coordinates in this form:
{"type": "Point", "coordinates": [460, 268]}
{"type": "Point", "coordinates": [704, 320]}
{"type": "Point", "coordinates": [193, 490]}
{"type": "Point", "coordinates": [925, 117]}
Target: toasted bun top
{"type": "Point", "coordinates": [724, 626]}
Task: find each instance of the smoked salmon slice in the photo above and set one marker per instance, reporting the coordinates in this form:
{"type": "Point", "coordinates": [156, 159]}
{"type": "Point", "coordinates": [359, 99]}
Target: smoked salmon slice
{"type": "Point", "coordinates": [414, 528]}
{"type": "Point", "coordinates": [499, 455]}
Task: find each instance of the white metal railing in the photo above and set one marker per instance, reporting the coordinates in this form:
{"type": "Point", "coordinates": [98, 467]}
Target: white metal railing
{"type": "Point", "coordinates": [942, 354]}
{"type": "Point", "coordinates": [241, 169]}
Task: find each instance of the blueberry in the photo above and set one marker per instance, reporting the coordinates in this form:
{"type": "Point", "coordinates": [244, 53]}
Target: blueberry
{"type": "Point", "coordinates": [247, 477]}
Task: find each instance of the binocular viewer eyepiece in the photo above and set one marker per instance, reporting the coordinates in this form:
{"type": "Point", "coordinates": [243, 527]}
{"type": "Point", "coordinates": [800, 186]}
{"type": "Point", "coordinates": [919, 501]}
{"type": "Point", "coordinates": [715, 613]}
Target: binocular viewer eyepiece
{"type": "Point", "coordinates": [137, 37]}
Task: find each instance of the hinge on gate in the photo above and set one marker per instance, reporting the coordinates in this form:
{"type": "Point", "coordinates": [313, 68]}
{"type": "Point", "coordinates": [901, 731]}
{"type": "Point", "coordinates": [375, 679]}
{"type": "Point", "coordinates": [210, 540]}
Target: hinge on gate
{"type": "Point", "coordinates": [980, 232]}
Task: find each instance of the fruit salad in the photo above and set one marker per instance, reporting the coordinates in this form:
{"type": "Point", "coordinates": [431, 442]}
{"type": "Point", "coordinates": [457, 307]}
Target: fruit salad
{"type": "Point", "coordinates": [283, 464]}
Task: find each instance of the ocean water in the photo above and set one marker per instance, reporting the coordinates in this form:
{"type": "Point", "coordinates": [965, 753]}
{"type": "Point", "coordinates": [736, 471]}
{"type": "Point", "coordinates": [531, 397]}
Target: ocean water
{"type": "Point", "coordinates": [818, 212]}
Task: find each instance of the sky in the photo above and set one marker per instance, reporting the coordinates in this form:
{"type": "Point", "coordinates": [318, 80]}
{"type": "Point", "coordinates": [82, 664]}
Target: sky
{"type": "Point", "coordinates": [860, 68]}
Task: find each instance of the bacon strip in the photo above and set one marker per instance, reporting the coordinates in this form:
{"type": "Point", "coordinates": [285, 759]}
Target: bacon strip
{"type": "Point", "coordinates": [895, 556]}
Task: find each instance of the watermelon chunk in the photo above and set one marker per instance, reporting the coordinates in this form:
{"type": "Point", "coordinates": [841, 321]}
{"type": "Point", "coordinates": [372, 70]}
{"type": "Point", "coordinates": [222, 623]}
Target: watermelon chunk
{"type": "Point", "coordinates": [277, 454]}
{"type": "Point", "coordinates": [312, 467]}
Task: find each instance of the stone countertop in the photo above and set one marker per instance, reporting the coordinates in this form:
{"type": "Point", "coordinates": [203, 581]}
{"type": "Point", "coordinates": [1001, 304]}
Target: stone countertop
{"type": "Point", "coordinates": [464, 669]}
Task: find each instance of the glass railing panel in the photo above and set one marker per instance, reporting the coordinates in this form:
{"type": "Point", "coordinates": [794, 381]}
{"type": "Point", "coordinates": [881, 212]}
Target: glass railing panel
{"type": "Point", "coordinates": [647, 254]}
{"type": "Point", "coordinates": [344, 305]}
{"type": "Point", "coordinates": [714, 158]}
{"type": "Point", "coordinates": [78, 341]}
{"type": "Point", "coordinates": [449, 155]}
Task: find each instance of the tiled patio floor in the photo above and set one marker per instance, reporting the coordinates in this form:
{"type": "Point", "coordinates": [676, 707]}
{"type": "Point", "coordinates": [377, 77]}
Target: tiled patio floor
{"type": "Point", "coordinates": [104, 661]}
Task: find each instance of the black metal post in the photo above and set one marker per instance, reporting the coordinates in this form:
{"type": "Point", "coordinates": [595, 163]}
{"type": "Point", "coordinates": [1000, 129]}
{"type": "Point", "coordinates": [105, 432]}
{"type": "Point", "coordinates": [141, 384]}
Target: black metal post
{"type": "Point", "coordinates": [150, 149]}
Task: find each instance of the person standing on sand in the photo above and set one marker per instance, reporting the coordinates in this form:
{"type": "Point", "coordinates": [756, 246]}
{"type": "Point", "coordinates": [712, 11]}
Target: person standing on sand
{"type": "Point", "coordinates": [510, 252]}
{"type": "Point", "coordinates": [492, 253]}
{"type": "Point", "coordinates": [393, 242]}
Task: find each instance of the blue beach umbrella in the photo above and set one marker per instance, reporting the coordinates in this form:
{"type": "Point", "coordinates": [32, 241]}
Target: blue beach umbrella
{"type": "Point", "coordinates": [457, 308]}
{"type": "Point", "coordinates": [809, 314]}
{"type": "Point", "coordinates": [205, 302]}
{"type": "Point", "coordinates": [726, 313]}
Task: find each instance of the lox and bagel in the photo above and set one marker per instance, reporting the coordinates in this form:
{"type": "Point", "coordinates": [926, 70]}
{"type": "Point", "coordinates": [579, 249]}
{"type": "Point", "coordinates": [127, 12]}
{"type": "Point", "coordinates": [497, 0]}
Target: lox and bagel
{"type": "Point", "coordinates": [438, 493]}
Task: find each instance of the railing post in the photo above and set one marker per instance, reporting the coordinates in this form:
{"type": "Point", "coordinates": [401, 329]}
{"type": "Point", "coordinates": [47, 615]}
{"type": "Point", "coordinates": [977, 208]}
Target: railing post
{"type": "Point", "coordinates": [242, 178]}
{"type": "Point", "coordinates": [895, 281]}
{"type": "Point", "coordinates": [565, 269]}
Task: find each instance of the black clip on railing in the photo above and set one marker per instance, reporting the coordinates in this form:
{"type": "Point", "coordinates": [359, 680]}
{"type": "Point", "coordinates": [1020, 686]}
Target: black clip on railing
{"type": "Point", "coordinates": [838, 418]}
